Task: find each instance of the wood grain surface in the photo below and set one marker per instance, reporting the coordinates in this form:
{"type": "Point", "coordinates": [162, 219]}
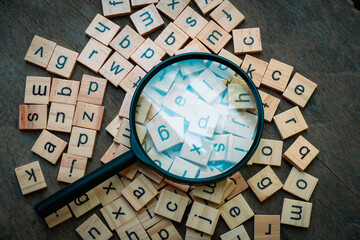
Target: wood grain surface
{"type": "Point", "coordinates": [321, 39]}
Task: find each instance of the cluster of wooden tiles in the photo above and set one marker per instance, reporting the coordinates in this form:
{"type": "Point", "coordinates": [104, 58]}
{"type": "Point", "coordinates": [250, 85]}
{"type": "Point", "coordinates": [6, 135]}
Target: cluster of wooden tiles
{"type": "Point", "coordinates": [140, 204]}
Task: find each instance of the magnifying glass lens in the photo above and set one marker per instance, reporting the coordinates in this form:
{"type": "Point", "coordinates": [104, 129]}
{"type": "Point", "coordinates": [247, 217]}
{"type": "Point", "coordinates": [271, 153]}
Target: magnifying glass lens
{"type": "Point", "coordinates": [196, 119]}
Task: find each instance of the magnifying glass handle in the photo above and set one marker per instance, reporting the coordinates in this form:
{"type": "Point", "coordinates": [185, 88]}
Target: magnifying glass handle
{"type": "Point", "coordinates": [84, 184]}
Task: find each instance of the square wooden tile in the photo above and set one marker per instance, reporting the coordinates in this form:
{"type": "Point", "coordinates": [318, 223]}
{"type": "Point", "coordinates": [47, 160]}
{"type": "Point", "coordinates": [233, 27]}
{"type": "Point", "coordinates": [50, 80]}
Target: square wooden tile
{"type": "Point", "coordinates": [132, 230]}
{"type": "Point", "coordinates": [301, 153]}
{"type": "Point", "coordinates": [150, 174]}
{"type": "Point", "coordinates": [124, 111]}
{"type": "Point", "coordinates": [147, 20]}
{"type": "Point", "coordinates": [269, 152]}
{"type": "Point", "coordinates": [116, 68]}
{"type": "Point", "coordinates": [213, 37]}
{"type": "Point", "coordinates": [236, 211]}
{"type": "Point", "coordinates": [277, 75]}
{"type": "Point", "coordinates": [192, 234]}
{"type": "Point", "coordinates": [118, 213]}
{"type": "Point", "coordinates": [212, 191]}
{"type": "Point", "coordinates": [130, 172]}
{"type": "Point", "coordinates": [265, 183]}
{"type": "Point", "coordinates": [127, 41]}
{"type": "Point", "coordinates": [132, 80]}
{"type": "Point", "coordinates": [190, 22]}
{"type": "Point", "coordinates": [240, 185]}
{"type": "Point", "coordinates": [230, 56]}
{"type": "Point", "coordinates": [114, 126]}
{"type": "Point", "coordinates": [171, 8]}
{"type": "Point", "coordinates": [270, 104]}
{"type": "Point", "coordinates": [72, 167]}
{"type": "Point", "coordinates": [296, 213]}
{"type": "Point", "coordinates": [113, 151]}
{"type": "Point", "coordinates": [171, 39]}
{"type": "Point", "coordinates": [123, 135]}
{"type": "Point", "coordinates": [88, 116]}
{"type": "Point", "coordinates": [84, 203]}
{"type": "Point", "coordinates": [300, 184]}
{"type": "Point", "coordinates": [82, 142]}
{"type": "Point", "coordinates": [290, 122]}
{"type": "Point", "coordinates": [60, 117]}
{"type": "Point", "coordinates": [139, 192]}
{"type": "Point", "coordinates": [30, 177]}
{"type": "Point", "coordinates": [37, 90]}
{"type": "Point", "coordinates": [49, 146]}
{"type": "Point", "coordinates": [247, 40]}
{"type": "Point", "coordinates": [102, 29]}
{"type": "Point", "coordinates": [203, 218]}
{"type": "Point", "coordinates": [236, 233]}
{"type": "Point", "coordinates": [94, 55]}
{"type": "Point", "coordinates": [58, 217]}
{"type": "Point", "coordinates": [147, 216]}
{"type": "Point", "coordinates": [164, 230]}
{"type": "Point", "coordinates": [299, 90]}
{"type": "Point", "coordinates": [267, 227]}
{"type": "Point", "coordinates": [171, 205]}
{"type": "Point", "coordinates": [116, 8]}
{"type": "Point", "coordinates": [62, 62]}
{"type": "Point", "coordinates": [94, 228]}
{"type": "Point", "coordinates": [141, 3]}
{"type": "Point", "coordinates": [148, 55]}
{"type": "Point", "coordinates": [40, 51]}
{"type": "Point", "coordinates": [227, 16]}
{"type": "Point", "coordinates": [92, 89]}
{"type": "Point", "coordinates": [255, 68]}
{"type": "Point", "coordinates": [32, 117]}
{"type": "Point", "coordinates": [196, 43]}
{"type": "Point", "coordinates": [109, 190]}
{"type": "Point", "coordinates": [206, 6]}
{"type": "Point", "coordinates": [64, 91]}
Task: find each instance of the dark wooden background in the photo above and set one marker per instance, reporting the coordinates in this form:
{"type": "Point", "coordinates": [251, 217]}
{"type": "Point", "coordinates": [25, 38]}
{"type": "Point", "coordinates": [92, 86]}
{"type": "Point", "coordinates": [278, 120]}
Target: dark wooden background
{"type": "Point", "coordinates": [321, 39]}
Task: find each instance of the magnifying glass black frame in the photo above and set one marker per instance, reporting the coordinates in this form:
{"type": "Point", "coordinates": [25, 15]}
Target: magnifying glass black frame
{"type": "Point", "coordinates": [88, 182]}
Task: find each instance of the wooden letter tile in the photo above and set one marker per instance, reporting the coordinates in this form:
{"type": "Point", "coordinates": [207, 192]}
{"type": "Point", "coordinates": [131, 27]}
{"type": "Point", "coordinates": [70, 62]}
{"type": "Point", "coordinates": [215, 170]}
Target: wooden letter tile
{"type": "Point", "coordinates": [236, 233]}
{"type": "Point", "coordinates": [139, 192]}
{"type": "Point", "coordinates": [117, 213]}
{"type": "Point", "coordinates": [240, 97]}
{"type": "Point", "coordinates": [130, 172]}
{"type": "Point", "coordinates": [116, 68]}
{"type": "Point", "coordinates": [269, 152]}
{"type": "Point", "coordinates": [60, 117]}
{"type": "Point", "coordinates": [127, 41]}
{"type": "Point", "coordinates": [299, 90]}
{"type": "Point", "coordinates": [88, 116]}
{"type": "Point", "coordinates": [240, 185]}
{"type": "Point", "coordinates": [132, 230]}
{"type": "Point", "coordinates": [64, 91]}
{"type": "Point", "coordinates": [147, 19]}
{"type": "Point", "coordinates": [206, 6]}
{"type": "Point", "coordinates": [212, 191]}
{"type": "Point", "coordinates": [171, 39]}
{"type": "Point", "coordinates": [109, 190]}
{"type": "Point", "coordinates": [84, 203]}
{"type": "Point", "coordinates": [123, 135]}
{"type": "Point", "coordinates": [72, 168]}
{"type": "Point", "coordinates": [37, 90]}
{"type": "Point", "coordinates": [171, 8]}
{"type": "Point", "coordinates": [230, 56]}
{"type": "Point", "coordinates": [171, 205]}
{"type": "Point", "coordinates": [94, 228]}
{"type": "Point", "coordinates": [82, 142]}
{"type": "Point", "coordinates": [236, 211]}
{"type": "Point", "coordinates": [164, 230]}
{"type": "Point", "coordinates": [147, 216]}
{"type": "Point", "coordinates": [62, 62]}
{"type": "Point", "coordinates": [213, 37]}
{"type": "Point", "coordinates": [94, 55]}
{"type": "Point", "coordinates": [32, 117]}
{"type": "Point", "coordinates": [132, 80]}
{"type": "Point", "coordinates": [150, 174]}
{"type": "Point", "coordinates": [49, 146]}
{"type": "Point", "coordinates": [58, 217]}
{"type": "Point", "coordinates": [290, 122]}
{"type": "Point", "coordinates": [254, 68]}
{"type": "Point", "coordinates": [40, 51]}
{"type": "Point", "coordinates": [113, 151]}
{"type": "Point", "coordinates": [114, 126]}
{"type": "Point", "coordinates": [301, 153]}
{"type": "Point", "coordinates": [115, 8]}
{"type": "Point", "coordinates": [190, 22]}
{"type": "Point", "coordinates": [203, 218]}
{"type": "Point", "coordinates": [300, 184]}
{"type": "Point", "coordinates": [227, 16]}
{"type": "Point", "coordinates": [92, 89]}
{"type": "Point", "coordinates": [125, 106]}
{"type": "Point", "coordinates": [267, 227]}
{"type": "Point", "coordinates": [148, 55]}
{"type": "Point", "coordinates": [270, 104]}
{"type": "Point", "coordinates": [102, 29]}
{"type": "Point", "coordinates": [192, 234]}
{"type": "Point", "coordinates": [141, 3]}
{"type": "Point", "coordinates": [30, 177]}
{"type": "Point", "coordinates": [296, 213]}
{"type": "Point", "coordinates": [264, 183]}
{"type": "Point", "coordinates": [247, 40]}
{"type": "Point", "coordinates": [277, 75]}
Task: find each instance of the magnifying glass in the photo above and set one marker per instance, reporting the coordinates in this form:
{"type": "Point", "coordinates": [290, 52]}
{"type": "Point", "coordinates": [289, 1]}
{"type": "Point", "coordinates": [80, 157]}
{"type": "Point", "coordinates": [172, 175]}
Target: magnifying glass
{"type": "Point", "coordinates": [195, 118]}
